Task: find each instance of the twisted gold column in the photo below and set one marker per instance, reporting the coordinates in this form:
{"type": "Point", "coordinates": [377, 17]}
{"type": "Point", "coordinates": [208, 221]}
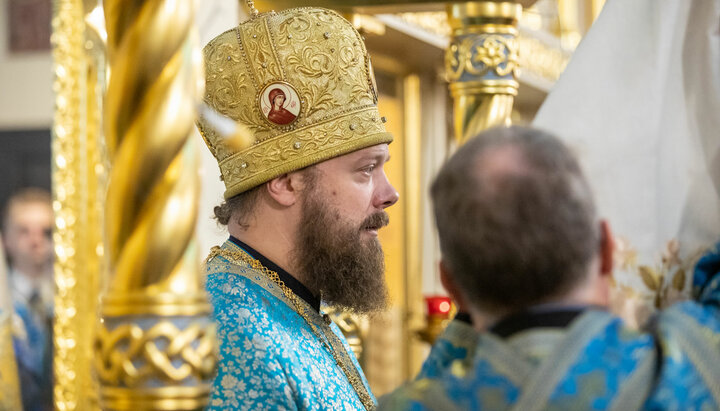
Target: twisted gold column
{"type": "Point", "coordinates": [481, 64]}
{"type": "Point", "coordinates": [155, 348]}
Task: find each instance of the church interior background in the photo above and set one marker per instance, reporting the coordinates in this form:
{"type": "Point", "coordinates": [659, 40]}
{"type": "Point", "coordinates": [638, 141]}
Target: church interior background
{"type": "Point", "coordinates": [407, 42]}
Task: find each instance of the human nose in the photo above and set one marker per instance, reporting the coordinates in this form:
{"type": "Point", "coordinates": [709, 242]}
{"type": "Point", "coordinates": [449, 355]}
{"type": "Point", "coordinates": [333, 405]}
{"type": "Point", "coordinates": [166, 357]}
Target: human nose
{"type": "Point", "coordinates": [387, 193]}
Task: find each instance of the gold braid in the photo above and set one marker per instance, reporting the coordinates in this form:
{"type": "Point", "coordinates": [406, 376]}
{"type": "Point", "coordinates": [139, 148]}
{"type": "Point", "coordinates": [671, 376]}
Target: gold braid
{"type": "Point", "coordinates": [335, 346]}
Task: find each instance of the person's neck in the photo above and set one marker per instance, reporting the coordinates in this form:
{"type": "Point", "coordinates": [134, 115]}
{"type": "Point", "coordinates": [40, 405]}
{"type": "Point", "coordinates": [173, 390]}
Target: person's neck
{"type": "Point", "coordinates": [31, 271]}
{"type": "Point", "coordinates": [272, 241]}
{"type": "Point", "coordinates": [592, 292]}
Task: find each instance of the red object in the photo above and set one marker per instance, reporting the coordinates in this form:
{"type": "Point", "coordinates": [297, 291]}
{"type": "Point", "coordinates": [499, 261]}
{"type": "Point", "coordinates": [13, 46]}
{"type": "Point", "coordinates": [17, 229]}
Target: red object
{"type": "Point", "coordinates": [438, 305]}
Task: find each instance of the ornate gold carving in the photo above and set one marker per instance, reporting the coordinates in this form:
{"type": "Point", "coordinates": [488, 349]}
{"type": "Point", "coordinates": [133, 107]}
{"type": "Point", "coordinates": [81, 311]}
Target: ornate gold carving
{"type": "Point", "coordinates": [261, 60]}
{"type": "Point", "coordinates": [155, 288]}
{"type": "Point", "coordinates": [479, 55]}
{"type": "Point", "coordinates": [353, 328]}
{"type": "Point", "coordinates": [481, 64]}
{"type": "Point", "coordinates": [534, 56]}
{"type": "Point", "coordinates": [432, 21]}
{"type": "Point", "coordinates": [129, 356]}
{"type": "Point", "coordinates": [541, 60]}
{"type": "Point", "coordinates": [324, 59]}
{"type": "Point", "coordinates": [78, 187]}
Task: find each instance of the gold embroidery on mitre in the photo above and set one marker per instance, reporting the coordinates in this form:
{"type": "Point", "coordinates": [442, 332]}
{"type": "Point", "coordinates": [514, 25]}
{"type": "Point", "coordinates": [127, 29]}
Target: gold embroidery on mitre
{"type": "Point", "coordinates": [318, 56]}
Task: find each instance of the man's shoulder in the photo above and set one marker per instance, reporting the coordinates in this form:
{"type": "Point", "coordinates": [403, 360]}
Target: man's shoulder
{"type": "Point", "coordinates": [238, 280]}
{"type": "Point", "coordinates": [239, 294]}
{"type": "Point", "coordinates": [421, 394]}
{"type": "Point", "coordinates": [248, 307]}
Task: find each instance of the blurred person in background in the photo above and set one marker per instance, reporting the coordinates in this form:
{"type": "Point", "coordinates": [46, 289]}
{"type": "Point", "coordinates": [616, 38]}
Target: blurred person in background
{"type": "Point", "coordinates": [27, 238]}
{"type": "Point", "coordinates": [526, 256]}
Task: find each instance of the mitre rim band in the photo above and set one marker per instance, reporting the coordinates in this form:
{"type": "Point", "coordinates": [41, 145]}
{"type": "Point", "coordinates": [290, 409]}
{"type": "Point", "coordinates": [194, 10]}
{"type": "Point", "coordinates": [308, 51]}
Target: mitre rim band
{"type": "Point", "coordinates": [301, 148]}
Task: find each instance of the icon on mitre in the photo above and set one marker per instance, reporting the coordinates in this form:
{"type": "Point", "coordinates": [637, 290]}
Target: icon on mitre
{"type": "Point", "coordinates": [279, 103]}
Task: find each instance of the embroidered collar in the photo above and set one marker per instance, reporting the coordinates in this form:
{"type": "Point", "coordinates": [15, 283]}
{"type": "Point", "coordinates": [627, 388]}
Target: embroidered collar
{"type": "Point", "coordinates": [291, 282]}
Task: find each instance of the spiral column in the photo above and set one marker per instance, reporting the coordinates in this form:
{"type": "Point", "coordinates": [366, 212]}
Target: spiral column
{"type": "Point", "coordinates": [155, 347]}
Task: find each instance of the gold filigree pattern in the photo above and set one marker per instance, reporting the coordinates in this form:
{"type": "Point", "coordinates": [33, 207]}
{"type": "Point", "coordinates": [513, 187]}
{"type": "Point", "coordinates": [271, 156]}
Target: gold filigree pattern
{"type": "Point", "coordinates": [129, 356]}
{"type": "Point", "coordinates": [541, 59]}
{"type": "Point", "coordinates": [481, 64]}
{"type": "Point", "coordinates": [261, 61]}
{"type": "Point", "coordinates": [479, 55]}
{"type": "Point", "coordinates": [317, 53]}
{"type": "Point", "coordinates": [353, 327]}
{"type": "Point", "coordinates": [534, 55]}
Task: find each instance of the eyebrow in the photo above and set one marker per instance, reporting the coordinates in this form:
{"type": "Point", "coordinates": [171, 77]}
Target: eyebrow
{"type": "Point", "coordinates": [378, 156]}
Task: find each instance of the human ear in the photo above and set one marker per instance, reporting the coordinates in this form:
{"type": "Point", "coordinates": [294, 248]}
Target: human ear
{"type": "Point", "coordinates": [283, 189]}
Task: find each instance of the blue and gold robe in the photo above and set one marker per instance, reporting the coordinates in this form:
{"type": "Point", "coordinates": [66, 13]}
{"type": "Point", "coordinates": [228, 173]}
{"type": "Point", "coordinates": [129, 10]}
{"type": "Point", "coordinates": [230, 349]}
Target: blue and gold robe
{"type": "Point", "coordinates": [578, 359]}
{"type": "Point", "coordinates": [270, 357]}
{"type": "Point", "coordinates": [32, 340]}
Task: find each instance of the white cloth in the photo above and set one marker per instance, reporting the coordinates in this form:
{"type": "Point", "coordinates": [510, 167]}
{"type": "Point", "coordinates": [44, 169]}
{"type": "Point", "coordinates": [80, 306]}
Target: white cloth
{"type": "Point", "coordinates": [640, 104]}
{"type": "Point", "coordinates": [23, 288]}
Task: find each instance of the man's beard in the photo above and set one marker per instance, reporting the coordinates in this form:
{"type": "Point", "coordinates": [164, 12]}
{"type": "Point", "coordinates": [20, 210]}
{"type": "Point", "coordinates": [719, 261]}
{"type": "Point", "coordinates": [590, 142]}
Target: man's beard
{"type": "Point", "coordinates": [335, 260]}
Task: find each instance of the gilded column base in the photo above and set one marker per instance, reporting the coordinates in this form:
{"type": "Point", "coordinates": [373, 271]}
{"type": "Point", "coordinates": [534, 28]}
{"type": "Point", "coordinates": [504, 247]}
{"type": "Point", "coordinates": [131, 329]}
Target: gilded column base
{"type": "Point", "coordinates": [159, 356]}
{"type": "Point", "coordinates": [481, 64]}
{"type": "Point", "coordinates": [164, 398]}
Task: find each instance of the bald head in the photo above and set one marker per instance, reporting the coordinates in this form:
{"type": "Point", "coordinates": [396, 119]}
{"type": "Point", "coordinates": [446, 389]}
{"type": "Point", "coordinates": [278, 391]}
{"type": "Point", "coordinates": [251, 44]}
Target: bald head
{"type": "Point", "coordinates": [515, 218]}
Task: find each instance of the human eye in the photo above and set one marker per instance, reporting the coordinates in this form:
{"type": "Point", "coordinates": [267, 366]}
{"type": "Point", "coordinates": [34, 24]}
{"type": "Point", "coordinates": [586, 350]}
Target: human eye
{"type": "Point", "coordinates": [368, 169]}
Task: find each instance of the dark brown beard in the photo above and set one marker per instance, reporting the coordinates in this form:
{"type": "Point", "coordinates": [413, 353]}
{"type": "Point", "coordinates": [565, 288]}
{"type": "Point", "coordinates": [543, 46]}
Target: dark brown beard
{"type": "Point", "coordinates": [336, 261]}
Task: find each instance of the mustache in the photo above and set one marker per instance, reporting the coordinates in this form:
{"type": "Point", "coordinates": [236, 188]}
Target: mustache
{"type": "Point", "coordinates": [376, 221]}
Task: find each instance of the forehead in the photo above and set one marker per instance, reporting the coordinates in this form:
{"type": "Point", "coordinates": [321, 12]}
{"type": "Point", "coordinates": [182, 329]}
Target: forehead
{"type": "Point", "coordinates": [29, 212]}
{"type": "Point", "coordinates": [379, 151]}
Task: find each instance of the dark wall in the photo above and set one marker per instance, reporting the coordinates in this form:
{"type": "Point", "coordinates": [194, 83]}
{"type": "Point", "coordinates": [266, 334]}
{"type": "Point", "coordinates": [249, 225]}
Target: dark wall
{"type": "Point", "coordinates": [24, 161]}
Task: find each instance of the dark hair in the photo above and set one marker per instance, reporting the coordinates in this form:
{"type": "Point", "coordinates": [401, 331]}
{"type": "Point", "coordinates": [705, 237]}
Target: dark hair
{"type": "Point", "coordinates": [240, 206]}
{"type": "Point", "coordinates": [516, 219]}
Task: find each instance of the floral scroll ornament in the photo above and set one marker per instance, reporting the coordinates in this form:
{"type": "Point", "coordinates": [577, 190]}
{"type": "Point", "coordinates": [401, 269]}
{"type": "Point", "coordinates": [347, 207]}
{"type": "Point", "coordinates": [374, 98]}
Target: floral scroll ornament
{"type": "Point", "coordinates": [640, 289]}
{"type": "Point", "coordinates": [477, 56]}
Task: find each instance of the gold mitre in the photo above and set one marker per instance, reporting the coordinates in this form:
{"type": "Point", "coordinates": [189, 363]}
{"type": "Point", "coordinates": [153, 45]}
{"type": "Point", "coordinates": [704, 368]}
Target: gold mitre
{"type": "Point", "coordinates": [302, 82]}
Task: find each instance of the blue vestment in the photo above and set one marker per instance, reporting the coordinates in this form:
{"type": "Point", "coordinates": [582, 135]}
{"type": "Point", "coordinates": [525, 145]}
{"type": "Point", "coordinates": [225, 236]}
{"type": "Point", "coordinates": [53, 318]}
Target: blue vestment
{"type": "Point", "coordinates": [594, 362]}
{"type": "Point", "coordinates": [32, 343]}
{"type": "Point", "coordinates": [270, 357]}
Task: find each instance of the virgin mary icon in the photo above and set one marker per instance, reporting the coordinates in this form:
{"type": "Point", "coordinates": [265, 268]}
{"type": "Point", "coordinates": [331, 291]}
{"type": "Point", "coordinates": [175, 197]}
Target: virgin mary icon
{"type": "Point", "coordinates": [280, 103]}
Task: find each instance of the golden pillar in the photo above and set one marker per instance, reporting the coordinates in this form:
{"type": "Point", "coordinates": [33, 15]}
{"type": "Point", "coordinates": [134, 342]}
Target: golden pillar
{"type": "Point", "coordinates": [155, 347]}
{"type": "Point", "coordinates": [9, 386]}
{"type": "Point", "coordinates": [78, 180]}
{"type": "Point", "coordinates": [481, 64]}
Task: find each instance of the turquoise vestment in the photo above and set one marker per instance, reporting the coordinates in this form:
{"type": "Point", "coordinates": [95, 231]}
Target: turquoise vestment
{"type": "Point", "coordinates": [594, 362]}
{"type": "Point", "coordinates": [270, 357]}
